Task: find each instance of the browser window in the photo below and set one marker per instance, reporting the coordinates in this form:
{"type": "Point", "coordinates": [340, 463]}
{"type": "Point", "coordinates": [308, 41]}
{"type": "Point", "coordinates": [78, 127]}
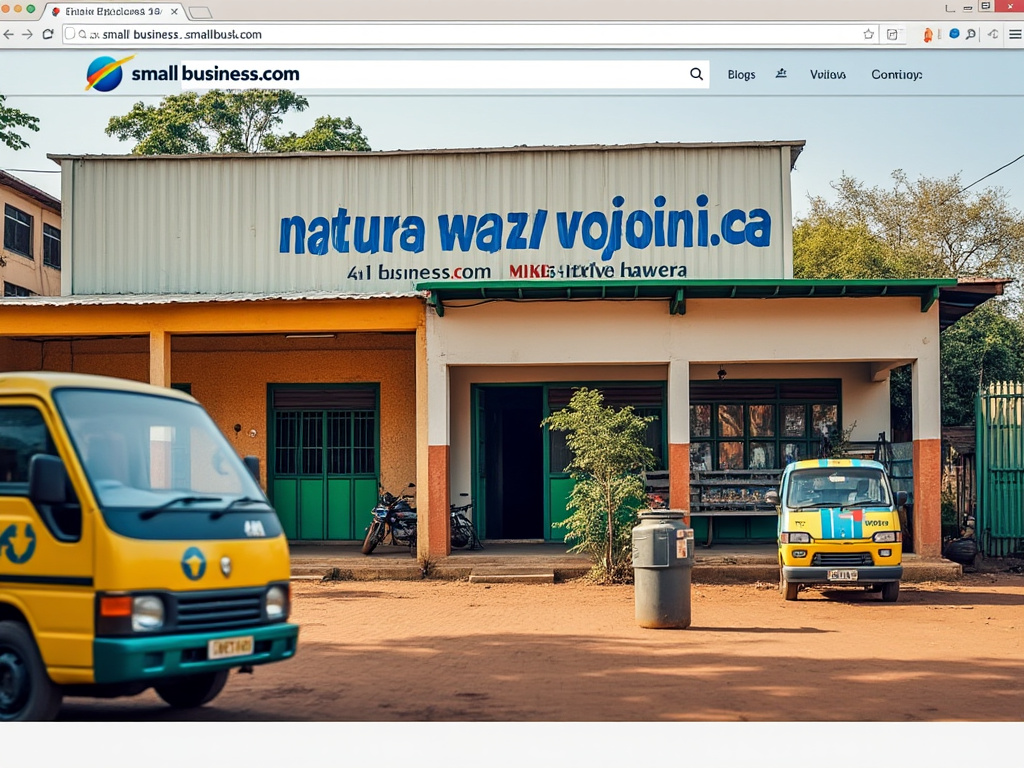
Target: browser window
{"type": "Point", "coordinates": [880, 106]}
{"type": "Point", "coordinates": [874, 89]}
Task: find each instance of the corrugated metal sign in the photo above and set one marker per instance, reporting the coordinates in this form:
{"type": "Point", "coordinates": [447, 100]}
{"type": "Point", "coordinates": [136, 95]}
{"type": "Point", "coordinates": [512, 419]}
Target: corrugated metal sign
{"type": "Point", "coordinates": [380, 223]}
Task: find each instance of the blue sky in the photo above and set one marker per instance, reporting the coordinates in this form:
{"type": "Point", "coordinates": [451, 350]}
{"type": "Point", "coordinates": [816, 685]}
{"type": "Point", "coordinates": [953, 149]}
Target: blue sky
{"type": "Point", "coordinates": [867, 137]}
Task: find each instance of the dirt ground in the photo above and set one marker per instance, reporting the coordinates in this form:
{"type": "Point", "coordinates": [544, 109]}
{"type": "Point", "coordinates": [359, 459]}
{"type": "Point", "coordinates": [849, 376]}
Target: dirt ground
{"type": "Point", "coordinates": [573, 652]}
{"type": "Point", "coordinates": [452, 675]}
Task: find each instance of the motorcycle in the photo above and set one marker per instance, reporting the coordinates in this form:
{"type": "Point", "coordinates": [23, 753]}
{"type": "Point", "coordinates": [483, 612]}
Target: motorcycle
{"type": "Point", "coordinates": [393, 517]}
{"type": "Point", "coordinates": [463, 532]}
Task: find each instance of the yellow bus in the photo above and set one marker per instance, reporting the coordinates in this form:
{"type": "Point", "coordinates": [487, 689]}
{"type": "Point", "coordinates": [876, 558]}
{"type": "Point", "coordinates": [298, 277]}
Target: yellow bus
{"type": "Point", "coordinates": [839, 526]}
{"type": "Point", "coordinates": [137, 550]}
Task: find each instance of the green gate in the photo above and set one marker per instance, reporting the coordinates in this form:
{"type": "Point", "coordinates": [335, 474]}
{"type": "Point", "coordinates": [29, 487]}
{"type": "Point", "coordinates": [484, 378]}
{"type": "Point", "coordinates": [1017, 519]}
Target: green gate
{"type": "Point", "coordinates": [999, 517]}
{"type": "Point", "coordinates": [324, 448]}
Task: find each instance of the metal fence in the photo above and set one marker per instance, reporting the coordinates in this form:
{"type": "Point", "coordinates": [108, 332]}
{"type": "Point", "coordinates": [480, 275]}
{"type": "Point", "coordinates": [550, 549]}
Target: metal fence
{"type": "Point", "coordinates": [999, 417]}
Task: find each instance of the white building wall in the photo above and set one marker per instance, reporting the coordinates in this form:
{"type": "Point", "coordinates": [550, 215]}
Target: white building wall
{"type": "Point", "coordinates": [850, 339]}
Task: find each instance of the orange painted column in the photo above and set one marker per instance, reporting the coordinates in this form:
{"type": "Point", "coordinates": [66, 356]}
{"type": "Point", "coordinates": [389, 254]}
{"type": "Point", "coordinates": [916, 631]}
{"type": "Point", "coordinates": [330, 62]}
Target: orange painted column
{"type": "Point", "coordinates": [679, 477]}
{"type": "Point", "coordinates": [927, 498]}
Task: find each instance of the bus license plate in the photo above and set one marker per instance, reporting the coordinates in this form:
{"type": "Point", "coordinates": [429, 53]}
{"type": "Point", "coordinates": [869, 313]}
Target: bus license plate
{"type": "Point", "coordinates": [227, 647]}
{"type": "Point", "coordinates": [845, 575]}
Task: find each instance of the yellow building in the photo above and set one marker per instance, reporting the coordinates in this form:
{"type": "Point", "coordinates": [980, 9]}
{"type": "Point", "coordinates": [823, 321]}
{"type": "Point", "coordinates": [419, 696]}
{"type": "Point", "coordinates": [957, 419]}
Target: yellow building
{"type": "Point", "coordinates": [30, 260]}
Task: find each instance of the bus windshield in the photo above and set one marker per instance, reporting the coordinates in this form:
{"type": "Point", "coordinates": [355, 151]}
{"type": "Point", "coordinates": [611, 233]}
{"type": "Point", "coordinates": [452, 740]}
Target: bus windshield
{"type": "Point", "coordinates": [837, 487]}
{"type": "Point", "coordinates": [144, 451]}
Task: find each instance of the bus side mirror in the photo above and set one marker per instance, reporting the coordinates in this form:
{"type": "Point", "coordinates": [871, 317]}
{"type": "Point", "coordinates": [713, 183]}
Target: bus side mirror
{"type": "Point", "coordinates": [772, 497]}
{"type": "Point", "coordinates": [252, 463]}
{"type": "Point", "coordinates": [901, 498]}
{"type": "Point", "coordinates": [47, 480]}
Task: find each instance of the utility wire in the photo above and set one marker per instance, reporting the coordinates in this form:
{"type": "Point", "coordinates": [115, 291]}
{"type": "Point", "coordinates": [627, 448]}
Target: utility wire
{"type": "Point", "coordinates": [993, 173]}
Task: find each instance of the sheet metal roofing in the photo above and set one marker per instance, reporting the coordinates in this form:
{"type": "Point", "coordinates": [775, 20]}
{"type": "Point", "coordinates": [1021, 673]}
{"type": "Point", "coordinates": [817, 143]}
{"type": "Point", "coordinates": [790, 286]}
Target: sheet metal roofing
{"type": "Point", "coordinates": [198, 298]}
{"type": "Point", "coordinates": [43, 198]}
{"type": "Point", "coordinates": [796, 147]}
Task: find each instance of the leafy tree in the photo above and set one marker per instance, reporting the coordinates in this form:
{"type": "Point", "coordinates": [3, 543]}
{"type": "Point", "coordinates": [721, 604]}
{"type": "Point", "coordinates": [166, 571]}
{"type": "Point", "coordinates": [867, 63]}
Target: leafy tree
{"type": "Point", "coordinates": [12, 119]}
{"type": "Point", "coordinates": [608, 452]}
{"type": "Point", "coordinates": [829, 245]}
{"type": "Point", "coordinates": [327, 134]}
{"type": "Point", "coordinates": [923, 228]}
{"type": "Point", "coordinates": [982, 347]}
{"type": "Point", "coordinates": [229, 121]}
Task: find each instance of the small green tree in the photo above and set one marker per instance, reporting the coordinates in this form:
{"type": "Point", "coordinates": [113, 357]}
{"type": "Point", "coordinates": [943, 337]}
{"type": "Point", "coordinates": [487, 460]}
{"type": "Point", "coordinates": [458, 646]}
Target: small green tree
{"type": "Point", "coordinates": [608, 453]}
{"type": "Point", "coordinates": [10, 120]}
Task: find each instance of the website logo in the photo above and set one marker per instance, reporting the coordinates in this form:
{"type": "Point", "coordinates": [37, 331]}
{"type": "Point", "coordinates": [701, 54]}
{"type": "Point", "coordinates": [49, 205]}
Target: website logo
{"type": "Point", "coordinates": [104, 74]}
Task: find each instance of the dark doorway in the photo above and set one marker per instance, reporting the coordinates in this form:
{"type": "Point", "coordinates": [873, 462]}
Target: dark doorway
{"type": "Point", "coordinates": [513, 462]}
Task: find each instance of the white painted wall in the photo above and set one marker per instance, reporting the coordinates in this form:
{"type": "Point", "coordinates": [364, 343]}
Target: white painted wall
{"type": "Point", "coordinates": [843, 338]}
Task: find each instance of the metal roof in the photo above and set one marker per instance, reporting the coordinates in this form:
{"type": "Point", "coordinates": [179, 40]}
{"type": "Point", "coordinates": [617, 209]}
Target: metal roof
{"type": "Point", "coordinates": [954, 300]}
{"type": "Point", "coordinates": [196, 298]}
{"type": "Point", "coordinates": [44, 199]}
{"type": "Point", "coordinates": [796, 146]}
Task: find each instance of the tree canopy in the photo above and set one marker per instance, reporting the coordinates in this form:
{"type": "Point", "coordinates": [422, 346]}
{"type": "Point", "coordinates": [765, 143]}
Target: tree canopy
{"type": "Point", "coordinates": [926, 228]}
{"type": "Point", "coordinates": [230, 121]}
{"type": "Point", "coordinates": [930, 227]}
{"type": "Point", "coordinates": [983, 347]}
{"type": "Point", "coordinates": [10, 120]}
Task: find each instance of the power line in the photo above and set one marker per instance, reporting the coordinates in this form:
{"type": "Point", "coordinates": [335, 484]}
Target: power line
{"type": "Point", "coordinates": [28, 170]}
{"type": "Point", "coordinates": [993, 173]}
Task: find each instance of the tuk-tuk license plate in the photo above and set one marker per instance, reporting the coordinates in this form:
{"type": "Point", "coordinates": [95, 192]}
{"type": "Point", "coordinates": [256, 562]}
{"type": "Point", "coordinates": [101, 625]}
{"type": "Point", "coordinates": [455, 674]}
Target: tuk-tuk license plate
{"type": "Point", "coordinates": [843, 575]}
{"type": "Point", "coordinates": [227, 647]}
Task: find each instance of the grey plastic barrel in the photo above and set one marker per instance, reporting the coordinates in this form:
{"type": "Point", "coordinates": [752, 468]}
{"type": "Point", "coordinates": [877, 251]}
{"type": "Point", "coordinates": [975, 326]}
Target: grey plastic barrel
{"type": "Point", "coordinates": [662, 562]}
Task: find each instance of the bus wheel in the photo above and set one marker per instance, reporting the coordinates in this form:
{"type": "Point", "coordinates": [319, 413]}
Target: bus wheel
{"type": "Point", "coordinates": [26, 691]}
{"type": "Point", "coordinates": [890, 591]}
{"type": "Point", "coordinates": [192, 690]}
{"type": "Point", "coordinates": [788, 589]}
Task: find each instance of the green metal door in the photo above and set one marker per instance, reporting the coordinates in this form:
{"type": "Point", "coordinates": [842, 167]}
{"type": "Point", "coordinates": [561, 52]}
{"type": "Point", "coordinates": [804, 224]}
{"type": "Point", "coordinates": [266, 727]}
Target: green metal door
{"type": "Point", "coordinates": [479, 489]}
{"type": "Point", "coordinates": [1000, 455]}
{"type": "Point", "coordinates": [324, 461]}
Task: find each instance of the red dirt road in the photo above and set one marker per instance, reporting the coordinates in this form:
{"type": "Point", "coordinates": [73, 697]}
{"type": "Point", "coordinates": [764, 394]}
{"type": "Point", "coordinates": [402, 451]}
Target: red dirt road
{"type": "Point", "coordinates": [454, 651]}
{"type": "Point", "coordinates": [572, 653]}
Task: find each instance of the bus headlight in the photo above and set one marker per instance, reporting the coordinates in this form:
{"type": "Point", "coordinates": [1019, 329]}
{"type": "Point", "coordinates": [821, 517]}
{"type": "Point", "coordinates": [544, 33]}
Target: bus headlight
{"type": "Point", "coordinates": [887, 537]}
{"type": "Point", "coordinates": [147, 613]}
{"type": "Point", "coordinates": [277, 603]}
{"type": "Point", "coordinates": [795, 538]}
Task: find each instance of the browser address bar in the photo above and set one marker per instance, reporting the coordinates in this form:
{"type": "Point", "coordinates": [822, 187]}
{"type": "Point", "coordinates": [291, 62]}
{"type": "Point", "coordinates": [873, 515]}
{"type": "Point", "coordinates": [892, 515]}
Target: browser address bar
{"type": "Point", "coordinates": [471, 35]}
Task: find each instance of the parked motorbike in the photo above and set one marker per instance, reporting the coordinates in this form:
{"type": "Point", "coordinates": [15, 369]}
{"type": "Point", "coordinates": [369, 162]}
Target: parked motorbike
{"type": "Point", "coordinates": [462, 528]}
{"type": "Point", "coordinates": [394, 518]}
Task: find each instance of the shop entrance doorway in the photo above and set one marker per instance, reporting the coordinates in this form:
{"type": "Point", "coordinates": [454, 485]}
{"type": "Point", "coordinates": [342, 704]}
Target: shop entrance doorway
{"type": "Point", "coordinates": [509, 461]}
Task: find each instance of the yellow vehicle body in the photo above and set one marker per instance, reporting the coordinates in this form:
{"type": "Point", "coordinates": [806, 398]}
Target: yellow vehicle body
{"type": "Point", "coordinates": [839, 526]}
{"type": "Point", "coordinates": [159, 564]}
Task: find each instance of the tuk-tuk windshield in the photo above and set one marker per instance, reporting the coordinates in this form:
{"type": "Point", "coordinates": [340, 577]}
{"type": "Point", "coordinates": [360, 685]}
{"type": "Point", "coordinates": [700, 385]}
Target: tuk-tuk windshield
{"type": "Point", "coordinates": [145, 451]}
{"type": "Point", "coordinates": [838, 487]}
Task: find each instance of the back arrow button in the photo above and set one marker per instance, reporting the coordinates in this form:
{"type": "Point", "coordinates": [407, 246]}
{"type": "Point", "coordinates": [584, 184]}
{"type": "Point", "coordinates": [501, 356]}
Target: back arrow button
{"type": "Point", "coordinates": [7, 34]}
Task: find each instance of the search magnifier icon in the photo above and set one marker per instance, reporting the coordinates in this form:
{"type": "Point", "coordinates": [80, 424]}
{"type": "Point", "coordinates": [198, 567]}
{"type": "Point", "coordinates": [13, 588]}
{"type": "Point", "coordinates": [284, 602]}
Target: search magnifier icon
{"type": "Point", "coordinates": [971, 34]}
{"type": "Point", "coordinates": [696, 73]}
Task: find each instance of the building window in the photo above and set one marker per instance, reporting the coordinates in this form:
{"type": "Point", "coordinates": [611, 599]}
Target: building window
{"type": "Point", "coordinates": [10, 289]}
{"type": "Point", "coordinates": [51, 246]}
{"type": "Point", "coordinates": [17, 231]}
{"type": "Point", "coordinates": [760, 425]}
